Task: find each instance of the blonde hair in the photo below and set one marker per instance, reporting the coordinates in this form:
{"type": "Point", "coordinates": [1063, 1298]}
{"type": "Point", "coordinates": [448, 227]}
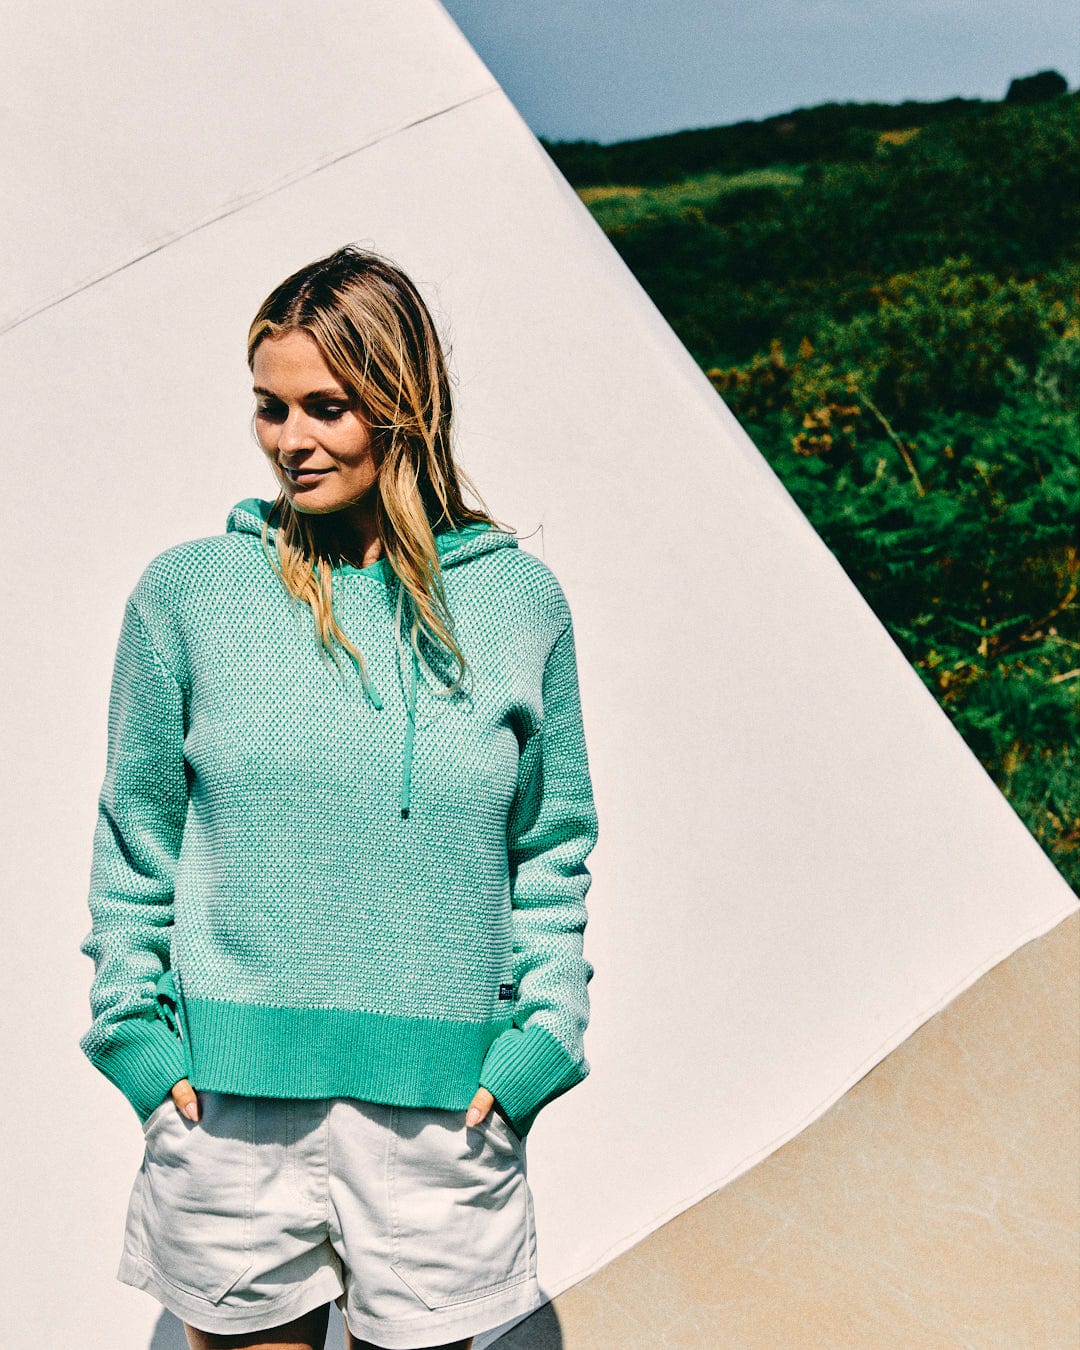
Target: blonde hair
{"type": "Point", "coordinates": [376, 335]}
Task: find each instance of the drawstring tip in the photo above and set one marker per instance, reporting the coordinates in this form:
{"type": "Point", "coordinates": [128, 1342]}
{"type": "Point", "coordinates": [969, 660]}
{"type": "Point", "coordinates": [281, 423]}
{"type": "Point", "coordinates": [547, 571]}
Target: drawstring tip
{"type": "Point", "coordinates": [404, 813]}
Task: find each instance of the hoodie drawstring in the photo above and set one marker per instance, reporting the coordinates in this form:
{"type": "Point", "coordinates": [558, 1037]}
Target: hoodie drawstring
{"type": "Point", "coordinates": [410, 732]}
{"type": "Point", "coordinates": [410, 725]}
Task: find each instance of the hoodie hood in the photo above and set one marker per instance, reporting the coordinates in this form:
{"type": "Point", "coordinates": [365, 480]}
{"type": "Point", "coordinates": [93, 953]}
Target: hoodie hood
{"type": "Point", "coordinates": [456, 547]}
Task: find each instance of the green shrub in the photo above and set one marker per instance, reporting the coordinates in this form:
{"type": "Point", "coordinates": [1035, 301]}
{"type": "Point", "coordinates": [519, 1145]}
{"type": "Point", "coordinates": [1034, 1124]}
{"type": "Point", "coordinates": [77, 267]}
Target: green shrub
{"type": "Point", "coordinates": [899, 332]}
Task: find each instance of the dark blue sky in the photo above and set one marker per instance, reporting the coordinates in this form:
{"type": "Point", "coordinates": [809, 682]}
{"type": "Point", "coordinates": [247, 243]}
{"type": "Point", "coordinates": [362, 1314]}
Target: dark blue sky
{"type": "Point", "coordinates": [612, 69]}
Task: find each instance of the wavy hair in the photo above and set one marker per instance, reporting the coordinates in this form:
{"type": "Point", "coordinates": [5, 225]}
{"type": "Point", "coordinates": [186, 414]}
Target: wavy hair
{"type": "Point", "coordinates": [377, 336]}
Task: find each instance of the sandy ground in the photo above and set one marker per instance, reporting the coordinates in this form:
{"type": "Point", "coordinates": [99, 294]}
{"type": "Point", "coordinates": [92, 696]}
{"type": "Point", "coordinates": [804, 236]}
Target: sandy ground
{"type": "Point", "coordinates": [935, 1205]}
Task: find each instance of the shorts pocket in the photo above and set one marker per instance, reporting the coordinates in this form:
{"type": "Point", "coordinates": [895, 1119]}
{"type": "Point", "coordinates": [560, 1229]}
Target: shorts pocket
{"type": "Point", "coordinates": [153, 1120]}
{"type": "Point", "coordinates": [198, 1194]}
{"type": "Point", "coordinates": [508, 1130]}
{"type": "Point", "coordinates": [461, 1209]}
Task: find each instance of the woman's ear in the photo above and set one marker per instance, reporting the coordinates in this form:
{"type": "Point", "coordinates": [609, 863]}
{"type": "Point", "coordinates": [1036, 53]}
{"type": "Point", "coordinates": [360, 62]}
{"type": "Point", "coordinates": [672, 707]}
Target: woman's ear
{"type": "Point", "coordinates": [380, 444]}
{"type": "Point", "coordinates": [380, 436]}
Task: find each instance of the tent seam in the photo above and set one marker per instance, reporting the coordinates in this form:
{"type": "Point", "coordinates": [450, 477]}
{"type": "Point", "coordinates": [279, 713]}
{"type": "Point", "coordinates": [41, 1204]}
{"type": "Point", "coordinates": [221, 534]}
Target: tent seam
{"type": "Point", "coordinates": [251, 199]}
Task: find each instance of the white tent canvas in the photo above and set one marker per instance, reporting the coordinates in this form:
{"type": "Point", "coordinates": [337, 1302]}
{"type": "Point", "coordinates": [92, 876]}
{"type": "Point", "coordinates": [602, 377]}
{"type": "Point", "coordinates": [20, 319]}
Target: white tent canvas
{"type": "Point", "coordinates": [800, 861]}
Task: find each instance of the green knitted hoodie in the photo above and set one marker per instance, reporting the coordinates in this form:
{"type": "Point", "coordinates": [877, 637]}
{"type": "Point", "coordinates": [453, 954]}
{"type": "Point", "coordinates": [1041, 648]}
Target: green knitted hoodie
{"type": "Point", "coordinates": [310, 883]}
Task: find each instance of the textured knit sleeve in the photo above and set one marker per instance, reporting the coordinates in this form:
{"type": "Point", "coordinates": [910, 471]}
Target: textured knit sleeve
{"type": "Point", "coordinates": [140, 819]}
{"type": "Point", "coordinates": [552, 830]}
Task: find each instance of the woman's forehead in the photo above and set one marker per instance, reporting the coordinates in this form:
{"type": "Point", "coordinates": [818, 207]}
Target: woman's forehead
{"type": "Point", "coordinates": [294, 359]}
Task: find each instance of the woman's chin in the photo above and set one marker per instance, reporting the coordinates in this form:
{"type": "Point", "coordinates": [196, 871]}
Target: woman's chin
{"type": "Point", "coordinates": [325, 497]}
{"type": "Point", "coordinates": [317, 499]}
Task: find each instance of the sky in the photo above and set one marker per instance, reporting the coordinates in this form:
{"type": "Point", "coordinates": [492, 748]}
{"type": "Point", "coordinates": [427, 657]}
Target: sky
{"type": "Point", "coordinates": [611, 70]}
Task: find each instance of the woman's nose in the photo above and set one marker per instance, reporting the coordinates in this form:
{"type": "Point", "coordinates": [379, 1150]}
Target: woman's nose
{"type": "Point", "coordinates": [295, 433]}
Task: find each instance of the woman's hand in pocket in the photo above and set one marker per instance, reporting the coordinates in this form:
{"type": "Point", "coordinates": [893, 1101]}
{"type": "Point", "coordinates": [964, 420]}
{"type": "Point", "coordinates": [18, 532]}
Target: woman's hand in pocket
{"type": "Point", "coordinates": [183, 1094]}
{"type": "Point", "coordinates": [480, 1105]}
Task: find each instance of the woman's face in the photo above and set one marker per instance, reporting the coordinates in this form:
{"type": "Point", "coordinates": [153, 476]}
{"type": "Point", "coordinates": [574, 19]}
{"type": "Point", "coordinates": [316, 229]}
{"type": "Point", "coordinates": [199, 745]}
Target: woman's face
{"type": "Point", "coordinates": [305, 421]}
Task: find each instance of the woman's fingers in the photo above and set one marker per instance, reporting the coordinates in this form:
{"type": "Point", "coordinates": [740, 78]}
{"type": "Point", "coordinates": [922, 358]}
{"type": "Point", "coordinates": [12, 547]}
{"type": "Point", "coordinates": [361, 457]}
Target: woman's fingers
{"type": "Point", "coordinates": [479, 1106]}
{"type": "Point", "coordinates": [183, 1094]}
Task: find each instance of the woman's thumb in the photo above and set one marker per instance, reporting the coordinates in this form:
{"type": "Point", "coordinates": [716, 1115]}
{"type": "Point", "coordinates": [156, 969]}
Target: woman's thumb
{"type": "Point", "coordinates": [183, 1095]}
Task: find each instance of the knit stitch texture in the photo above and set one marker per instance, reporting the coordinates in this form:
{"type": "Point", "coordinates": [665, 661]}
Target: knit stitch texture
{"type": "Point", "coordinates": [302, 887]}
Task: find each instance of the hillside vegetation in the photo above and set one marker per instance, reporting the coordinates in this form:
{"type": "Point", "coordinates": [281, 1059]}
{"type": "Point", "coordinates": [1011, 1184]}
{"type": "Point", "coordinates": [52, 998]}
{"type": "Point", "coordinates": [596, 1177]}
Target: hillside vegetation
{"type": "Point", "coordinates": [887, 298]}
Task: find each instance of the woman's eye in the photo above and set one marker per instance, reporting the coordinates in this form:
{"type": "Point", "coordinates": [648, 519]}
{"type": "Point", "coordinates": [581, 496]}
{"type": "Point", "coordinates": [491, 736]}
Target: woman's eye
{"type": "Point", "coordinates": [325, 412]}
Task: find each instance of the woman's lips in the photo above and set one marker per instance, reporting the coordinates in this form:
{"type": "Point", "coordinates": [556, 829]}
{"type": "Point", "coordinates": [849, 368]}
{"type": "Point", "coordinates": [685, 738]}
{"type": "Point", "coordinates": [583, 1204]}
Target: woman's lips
{"type": "Point", "coordinates": [305, 477]}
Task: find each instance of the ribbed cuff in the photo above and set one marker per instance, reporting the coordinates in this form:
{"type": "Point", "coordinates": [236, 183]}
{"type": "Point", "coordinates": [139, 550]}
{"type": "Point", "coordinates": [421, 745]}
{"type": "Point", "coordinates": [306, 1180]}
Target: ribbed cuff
{"type": "Point", "coordinates": [143, 1058]}
{"type": "Point", "coordinates": [526, 1069]}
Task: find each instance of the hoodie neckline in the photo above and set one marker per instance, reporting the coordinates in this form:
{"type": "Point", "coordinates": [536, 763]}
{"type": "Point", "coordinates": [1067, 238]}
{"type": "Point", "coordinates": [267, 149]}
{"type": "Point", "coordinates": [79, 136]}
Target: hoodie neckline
{"type": "Point", "coordinates": [447, 541]}
{"type": "Point", "coordinates": [456, 548]}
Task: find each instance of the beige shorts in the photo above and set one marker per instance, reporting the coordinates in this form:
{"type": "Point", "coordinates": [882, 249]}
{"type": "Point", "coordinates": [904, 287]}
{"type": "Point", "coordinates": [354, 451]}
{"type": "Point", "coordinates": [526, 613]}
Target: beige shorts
{"type": "Point", "coordinates": [419, 1227]}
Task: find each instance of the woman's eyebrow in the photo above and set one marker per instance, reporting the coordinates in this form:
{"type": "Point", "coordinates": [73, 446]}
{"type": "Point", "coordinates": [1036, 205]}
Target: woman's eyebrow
{"type": "Point", "coordinates": [338, 394]}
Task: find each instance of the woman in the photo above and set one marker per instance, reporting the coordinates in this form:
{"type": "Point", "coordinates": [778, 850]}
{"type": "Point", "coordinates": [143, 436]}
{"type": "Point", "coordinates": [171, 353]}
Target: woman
{"type": "Point", "coordinates": [338, 874]}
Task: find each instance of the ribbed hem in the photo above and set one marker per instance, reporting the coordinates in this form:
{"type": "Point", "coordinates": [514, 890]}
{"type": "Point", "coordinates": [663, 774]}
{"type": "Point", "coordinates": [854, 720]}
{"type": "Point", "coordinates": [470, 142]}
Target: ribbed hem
{"type": "Point", "coordinates": [143, 1058]}
{"type": "Point", "coordinates": [260, 1051]}
{"type": "Point", "coordinates": [526, 1069]}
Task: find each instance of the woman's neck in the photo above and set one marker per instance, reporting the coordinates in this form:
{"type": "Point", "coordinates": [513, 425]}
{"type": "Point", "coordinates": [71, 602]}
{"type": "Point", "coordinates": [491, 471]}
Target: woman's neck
{"type": "Point", "coordinates": [350, 538]}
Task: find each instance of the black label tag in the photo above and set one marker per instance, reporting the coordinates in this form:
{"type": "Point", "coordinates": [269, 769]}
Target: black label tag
{"type": "Point", "coordinates": [506, 991]}
{"type": "Point", "coordinates": [168, 1013]}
